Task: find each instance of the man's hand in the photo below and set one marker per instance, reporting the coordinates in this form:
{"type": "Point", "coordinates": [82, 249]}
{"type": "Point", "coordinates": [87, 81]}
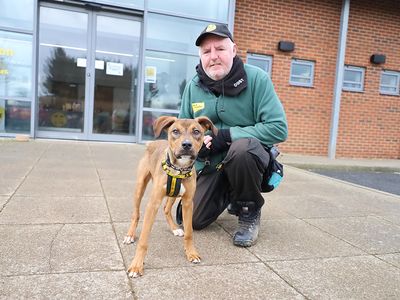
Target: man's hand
{"type": "Point", "coordinates": [215, 143]}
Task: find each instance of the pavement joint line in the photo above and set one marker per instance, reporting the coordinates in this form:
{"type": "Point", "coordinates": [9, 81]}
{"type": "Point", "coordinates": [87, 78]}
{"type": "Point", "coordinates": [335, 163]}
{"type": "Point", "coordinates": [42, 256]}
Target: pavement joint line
{"type": "Point", "coordinates": [130, 283]}
{"type": "Point", "coordinates": [286, 281]}
{"type": "Point", "coordinates": [23, 179]}
{"type": "Point", "coordinates": [348, 183]}
{"type": "Point", "coordinates": [54, 223]}
{"type": "Point", "coordinates": [388, 221]}
{"type": "Point", "coordinates": [337, 237]}
{"type": "Point", "coordinates": [387, 262]}
{"type": "Point", "coordinates": [61, 273]}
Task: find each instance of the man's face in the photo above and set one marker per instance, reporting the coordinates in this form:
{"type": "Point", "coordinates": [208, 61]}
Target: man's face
{"type": "Point", "coordinates": [216, 55]}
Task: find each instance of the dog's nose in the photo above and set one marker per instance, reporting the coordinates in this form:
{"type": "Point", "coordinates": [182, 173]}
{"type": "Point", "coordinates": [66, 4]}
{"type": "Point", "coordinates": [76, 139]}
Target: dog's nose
{"type": "Point", "coordinates": [186, 145]}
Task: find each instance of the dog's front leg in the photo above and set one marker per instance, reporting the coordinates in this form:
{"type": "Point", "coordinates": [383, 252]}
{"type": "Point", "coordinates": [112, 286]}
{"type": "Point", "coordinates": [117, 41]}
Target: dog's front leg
{"type": "Point", "coordinates": [187, 213]}
{"type": "Point", "coordinates": [136, 267]}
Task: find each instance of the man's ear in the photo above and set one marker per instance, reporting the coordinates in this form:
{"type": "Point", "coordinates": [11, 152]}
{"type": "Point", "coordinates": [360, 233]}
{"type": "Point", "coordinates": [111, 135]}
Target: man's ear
{"type": "Point", "coordinates": [207, 124]}
{"type": "Point", "coordinates": [234, 49]}
{"type": "Point", "coordinates": [162, 123]}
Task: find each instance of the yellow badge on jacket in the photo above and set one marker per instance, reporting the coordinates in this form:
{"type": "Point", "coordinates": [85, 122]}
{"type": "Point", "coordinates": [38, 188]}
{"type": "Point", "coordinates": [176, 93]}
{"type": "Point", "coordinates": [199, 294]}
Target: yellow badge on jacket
{"type": "Point", "coordinates": [197, 106]}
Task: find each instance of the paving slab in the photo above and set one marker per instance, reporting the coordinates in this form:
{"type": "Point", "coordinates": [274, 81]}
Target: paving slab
{"type": "Point", "coordinates": [83, 285]}
{"type": "Point", "coordinates": [371, 234]}
{"type": "Point", "coordinates": [165, 250]}
{"type": "Point", "coordinates": [214, 282]}
{"type": "Point", "coordinates": [85, 247]}
{"type": "Point", "coordinates": [54, 209]}
{"type": "Point", "coordinates": [289, 239]}
{"type": "Point", "coordinates": [25, 249]}
{"type": "Point", "coordinates": [60, 187]}
{"type": "Point", "coordinates": [359, 277]}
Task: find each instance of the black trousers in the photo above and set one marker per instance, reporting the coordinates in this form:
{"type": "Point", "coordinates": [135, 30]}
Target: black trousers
{"type": "Point", "coordinates": [238, 181]}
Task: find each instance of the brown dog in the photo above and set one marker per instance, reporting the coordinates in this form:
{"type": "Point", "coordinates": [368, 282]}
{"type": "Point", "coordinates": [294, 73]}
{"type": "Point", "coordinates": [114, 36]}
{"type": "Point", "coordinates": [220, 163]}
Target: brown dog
{"type": "Point", "coordinates": [170, 165]}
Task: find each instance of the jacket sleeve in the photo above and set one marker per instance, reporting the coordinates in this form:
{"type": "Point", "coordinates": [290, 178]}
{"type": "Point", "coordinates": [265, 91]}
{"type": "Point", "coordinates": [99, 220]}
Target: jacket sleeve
{"type": "Point", "coordinates": [270, 120]}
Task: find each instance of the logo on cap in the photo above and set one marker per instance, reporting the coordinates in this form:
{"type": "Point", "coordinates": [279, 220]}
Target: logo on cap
{"type": "Point", "coordinates": [211, 27]}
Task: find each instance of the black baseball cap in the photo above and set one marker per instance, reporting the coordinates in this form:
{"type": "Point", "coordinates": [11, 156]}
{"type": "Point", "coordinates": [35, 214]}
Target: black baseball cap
{"type": "Point", "coordinates": [216, 29]}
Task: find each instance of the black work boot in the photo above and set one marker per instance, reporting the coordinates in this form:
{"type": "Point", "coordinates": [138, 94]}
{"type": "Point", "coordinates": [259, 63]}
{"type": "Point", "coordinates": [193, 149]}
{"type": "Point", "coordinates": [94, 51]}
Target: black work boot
{"type": "Point", "coordinates": [249, 224]}
{"type": "Point", "coordinates": [233, 209]}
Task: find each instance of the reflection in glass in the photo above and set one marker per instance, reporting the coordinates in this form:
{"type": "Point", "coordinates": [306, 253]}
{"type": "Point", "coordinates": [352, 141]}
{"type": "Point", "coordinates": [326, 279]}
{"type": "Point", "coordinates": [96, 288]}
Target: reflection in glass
{"type": "Point", "coordinates": [209, 9]}
{"type": "Point", "coordinates": [173, 34]}
{"type": "Point", "coordinates": [148, 119]}
{"type": "Point", "coordinates": [117, 54]}
{"type": "Point", "coordinates": [15, 116]}
{"type": "Point", "coordinates": [17, 14]}
{"type": "Point", "coordinates": [166, 76]}
{"type": "Point", "coordinates": [15, 65]}
{"type": "Point", "coordinates": [62, 67]}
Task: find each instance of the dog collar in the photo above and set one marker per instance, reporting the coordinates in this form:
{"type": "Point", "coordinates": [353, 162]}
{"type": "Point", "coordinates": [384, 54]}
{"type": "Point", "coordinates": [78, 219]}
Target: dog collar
{"type": "Point", "coordinates": [174, 181]}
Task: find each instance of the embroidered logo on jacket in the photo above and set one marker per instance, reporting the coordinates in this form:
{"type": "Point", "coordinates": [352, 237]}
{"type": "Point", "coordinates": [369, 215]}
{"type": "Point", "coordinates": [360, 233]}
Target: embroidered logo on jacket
{"type": "Point", "coordinates": [197, 106]}
{"type": "Point", "coordinates": [239, 82]}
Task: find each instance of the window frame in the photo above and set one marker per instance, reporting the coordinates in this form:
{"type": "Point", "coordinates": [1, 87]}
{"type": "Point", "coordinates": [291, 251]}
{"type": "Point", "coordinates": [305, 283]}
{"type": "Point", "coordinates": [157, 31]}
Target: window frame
{"type": "Point", "coordinates": [354, 89]}
{"type": "Point", "coordinates": [303, 62]}
{"type": "Point", "coordinates": [261, 57]}
{"type": "Point", "coordinates": [397, 87]}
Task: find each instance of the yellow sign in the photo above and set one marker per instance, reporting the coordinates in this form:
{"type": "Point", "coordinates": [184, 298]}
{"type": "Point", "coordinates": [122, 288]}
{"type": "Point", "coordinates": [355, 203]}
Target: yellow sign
{"type": "Point", "coordinates": [58, 119]}
{"type": "Point", "coordinates": [3, 72]}
{"type": "Point", "coordinates": [6, 52]}
{"type": "Point", "coordinates": [2, 112]}
{"type": "Point", "coordinates": [197, 106]}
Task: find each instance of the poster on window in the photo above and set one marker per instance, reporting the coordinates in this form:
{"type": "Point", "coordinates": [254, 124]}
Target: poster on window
{"type": "Point", "coordinates": [115, 69]}
{"type": "Point", "coordinates": [150, 74]}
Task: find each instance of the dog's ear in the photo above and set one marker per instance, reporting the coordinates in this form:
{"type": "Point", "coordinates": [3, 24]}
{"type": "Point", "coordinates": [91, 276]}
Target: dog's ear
{"type": "Point", "coordinates": [207, 124]}
{"type": "Point", "coordinates": [162, 123]}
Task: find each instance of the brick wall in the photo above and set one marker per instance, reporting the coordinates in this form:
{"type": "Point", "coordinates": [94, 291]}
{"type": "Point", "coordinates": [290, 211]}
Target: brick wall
{"type": "Point", "coordinates": [369, 122]}
{"type": "Point", "coordinates": [366, 118]}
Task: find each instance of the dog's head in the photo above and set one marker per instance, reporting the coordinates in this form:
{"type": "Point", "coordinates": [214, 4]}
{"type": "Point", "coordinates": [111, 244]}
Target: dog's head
{"type": "Point", "coordinates": [185, 136]}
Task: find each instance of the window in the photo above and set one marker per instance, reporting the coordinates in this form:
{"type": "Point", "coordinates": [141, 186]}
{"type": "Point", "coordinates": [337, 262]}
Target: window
{"type": "Point", "coordinates": [17, 14]}
{"type": "Point", "coordinates": [353, 79]}
{"type": "Point", "coordinates": [174, 34]}
{"type": "Point", "coordinates": [209, 9]}
{"type": "Point", "coordinates": [389, 83]}
{"type": "Point", "coordinates": [264, 62]}
{"type": "Point", "coordinates": [302, 73]}
{"type": "Point", "coordinates": [15, 116]}
{"type": "Point", "coordinates": [15, 65]}
{"type": "Point", "coordinates": [166, 75]}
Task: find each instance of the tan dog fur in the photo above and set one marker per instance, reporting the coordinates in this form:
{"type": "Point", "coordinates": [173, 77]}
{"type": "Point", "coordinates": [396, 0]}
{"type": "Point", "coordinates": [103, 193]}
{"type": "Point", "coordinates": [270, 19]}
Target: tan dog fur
{"type": "Point", "coordinates": [150, 167]}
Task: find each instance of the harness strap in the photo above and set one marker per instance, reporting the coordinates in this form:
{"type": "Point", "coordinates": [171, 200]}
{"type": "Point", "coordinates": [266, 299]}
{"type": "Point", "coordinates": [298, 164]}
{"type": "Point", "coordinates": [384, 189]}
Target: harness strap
{"type": "Point", "coordinates": [173, 186]}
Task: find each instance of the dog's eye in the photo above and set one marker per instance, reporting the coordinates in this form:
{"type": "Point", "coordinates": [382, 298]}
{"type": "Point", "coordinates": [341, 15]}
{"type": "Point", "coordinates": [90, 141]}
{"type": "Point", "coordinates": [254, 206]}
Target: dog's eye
{"type": "Point", "coordinates": [196, 132]}
{"type": "Point", "coordinates": [175, 131]}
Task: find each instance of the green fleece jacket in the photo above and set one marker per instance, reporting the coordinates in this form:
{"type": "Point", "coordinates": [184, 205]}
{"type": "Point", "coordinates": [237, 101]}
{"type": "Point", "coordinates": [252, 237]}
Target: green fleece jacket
{"type": "Point", "coordinates": [256, 112]}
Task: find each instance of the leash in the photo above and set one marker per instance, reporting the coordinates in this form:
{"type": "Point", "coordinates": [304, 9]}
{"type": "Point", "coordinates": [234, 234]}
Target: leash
{"type": "Point", "coordinates": [174, 181]}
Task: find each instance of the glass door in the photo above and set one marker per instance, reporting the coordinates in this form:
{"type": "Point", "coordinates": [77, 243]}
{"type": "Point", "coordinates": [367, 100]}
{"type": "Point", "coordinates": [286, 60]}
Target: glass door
{"type": "Point", "coordinates": [116, 60]}
{"type": "Point", "coordinates": [88, 66]}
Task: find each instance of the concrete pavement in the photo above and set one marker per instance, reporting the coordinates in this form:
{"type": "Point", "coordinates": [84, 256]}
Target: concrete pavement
{"type": "Point", "coordinates": [65, 207]}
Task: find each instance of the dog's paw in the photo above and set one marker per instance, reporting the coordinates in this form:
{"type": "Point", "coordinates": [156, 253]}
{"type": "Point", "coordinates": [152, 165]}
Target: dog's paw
{"type": "Point", "coordinates": [129, 240]}
{"type": "Point", "coordinates": [178, 232]}
{"type": "Point", "coordinates": [194, 257]}
{"type": "Point", "coordinates": [135, 272]}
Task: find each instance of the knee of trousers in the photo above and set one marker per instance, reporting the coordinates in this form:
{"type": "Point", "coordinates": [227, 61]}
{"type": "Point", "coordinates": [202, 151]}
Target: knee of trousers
{"type": "Point", "coordinates": [246, 149]}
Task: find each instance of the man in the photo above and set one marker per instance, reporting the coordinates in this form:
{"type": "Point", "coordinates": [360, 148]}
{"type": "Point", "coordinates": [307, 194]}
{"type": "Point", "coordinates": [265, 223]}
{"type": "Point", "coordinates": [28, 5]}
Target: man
{"type": "Point", "coordinates": [241, 101]}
